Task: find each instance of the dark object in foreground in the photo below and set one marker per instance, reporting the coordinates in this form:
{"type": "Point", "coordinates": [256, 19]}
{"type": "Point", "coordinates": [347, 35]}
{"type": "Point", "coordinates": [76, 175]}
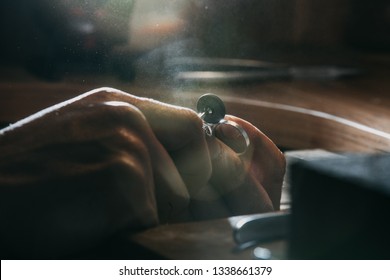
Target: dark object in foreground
{"type": "Point", "coordinates": [341, 208]}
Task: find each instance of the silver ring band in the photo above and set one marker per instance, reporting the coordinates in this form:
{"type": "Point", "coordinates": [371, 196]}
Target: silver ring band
{"type": "Point", "coordinates": [240, 129]}
{"type": "Point", "coordinates": [210, 128]}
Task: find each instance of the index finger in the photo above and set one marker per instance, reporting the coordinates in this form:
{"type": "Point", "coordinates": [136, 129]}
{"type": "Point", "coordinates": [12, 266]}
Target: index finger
{"type": "Point", "coordinates": [180, 132]}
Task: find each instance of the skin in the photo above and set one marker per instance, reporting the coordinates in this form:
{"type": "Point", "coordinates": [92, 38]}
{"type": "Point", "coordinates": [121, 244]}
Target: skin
{"type": "Point", "coordinates": [77, 172]}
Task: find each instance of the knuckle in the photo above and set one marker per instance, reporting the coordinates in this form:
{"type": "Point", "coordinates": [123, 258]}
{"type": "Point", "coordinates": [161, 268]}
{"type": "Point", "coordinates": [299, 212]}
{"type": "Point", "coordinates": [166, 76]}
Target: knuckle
{"type": "Point", "coordinates": [98, 120]}
{"type": "Point", "coordinates": [103, 94]}
{"type": "Point", "coordinates": [119, 114]}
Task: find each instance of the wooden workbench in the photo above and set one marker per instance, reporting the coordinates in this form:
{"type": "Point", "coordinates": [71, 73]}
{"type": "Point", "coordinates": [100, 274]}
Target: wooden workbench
{"type": "Point", "coordinates": [339, 115]}
{"type": "Point", "coordinates": [347, 115]}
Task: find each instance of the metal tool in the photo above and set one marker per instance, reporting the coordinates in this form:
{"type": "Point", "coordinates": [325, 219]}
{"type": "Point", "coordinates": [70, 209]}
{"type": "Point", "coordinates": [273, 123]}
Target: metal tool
{"type": "Point", "coordinates": [211, 110]}
{"type": "Point", "coordinates": [256, 228]}
{"type": "Point", "coordinates": [221, 70]}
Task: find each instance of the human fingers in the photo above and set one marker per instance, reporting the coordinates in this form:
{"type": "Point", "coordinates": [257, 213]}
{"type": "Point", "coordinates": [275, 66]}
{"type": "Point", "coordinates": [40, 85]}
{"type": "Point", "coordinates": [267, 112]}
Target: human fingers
{"type": "Point", "coordinates": [99, 116]}
{"type": "Point", "coordinates": [232, 179]}
{"type": "Point", "coordinates": [171, 192]}
{"type": "Point", "coordinates": [180, 132]}
{"type": "Point", "coordinates": [67, 182]}
{"type": "Point", "coordinates": [266, 162]}
{"type": "Point", "coordinates": [178, 129]}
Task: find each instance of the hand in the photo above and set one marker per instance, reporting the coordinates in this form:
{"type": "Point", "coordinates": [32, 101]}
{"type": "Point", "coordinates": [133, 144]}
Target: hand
{"type": "Point", "coordinates": [81, 170]}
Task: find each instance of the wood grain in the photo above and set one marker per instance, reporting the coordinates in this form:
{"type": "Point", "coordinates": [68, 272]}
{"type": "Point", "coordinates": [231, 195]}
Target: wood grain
{"type": "Point", "coordinates": [349, 115]}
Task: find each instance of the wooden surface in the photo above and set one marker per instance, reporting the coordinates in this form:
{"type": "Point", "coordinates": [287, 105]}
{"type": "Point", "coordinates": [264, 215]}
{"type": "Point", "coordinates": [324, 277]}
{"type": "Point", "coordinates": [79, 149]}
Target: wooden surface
{"type": "Point", "coordinates": [207, 240]}
{"type": "Point", "coordinates": [338, 115]}
{"type": "Point", "coordinates": [214, 239]}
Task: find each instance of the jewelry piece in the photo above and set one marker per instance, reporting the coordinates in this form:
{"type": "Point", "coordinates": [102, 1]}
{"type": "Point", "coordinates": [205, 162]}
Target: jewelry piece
{"type": "Point", "coordinates": [211, 110]}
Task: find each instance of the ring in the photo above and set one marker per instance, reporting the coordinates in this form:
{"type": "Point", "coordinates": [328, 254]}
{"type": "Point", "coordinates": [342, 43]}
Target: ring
{"type": "Point", "coordinates": [211, 110]}
{"type": "Point", "coordinates": [211, 128]}
{"type": "Point", "coordinates": [241, 131]}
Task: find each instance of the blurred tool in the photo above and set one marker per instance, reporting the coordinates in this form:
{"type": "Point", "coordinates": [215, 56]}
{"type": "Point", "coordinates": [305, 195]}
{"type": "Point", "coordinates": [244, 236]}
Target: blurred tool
{"type": "Point", "coordinates": [253, 229]}
{"type": "Point", "coordinates": [219, 70]}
